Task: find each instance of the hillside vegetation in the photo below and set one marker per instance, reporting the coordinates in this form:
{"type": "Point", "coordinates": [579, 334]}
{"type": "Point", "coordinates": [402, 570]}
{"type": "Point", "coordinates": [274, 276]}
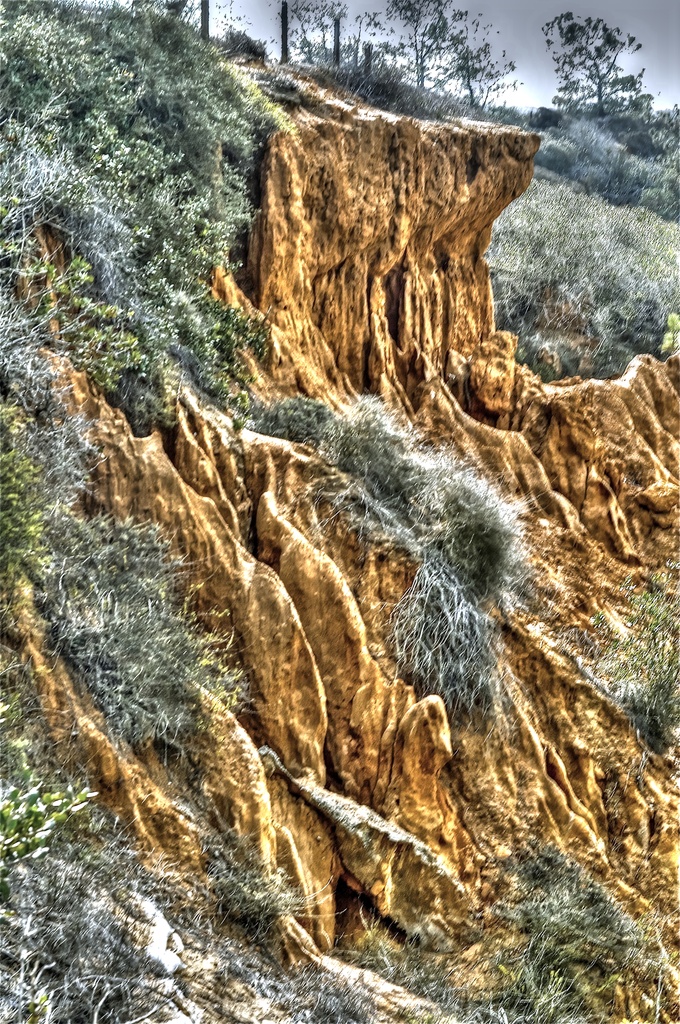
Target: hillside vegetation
{"type": "Point", "coordinates": [134, 147]}
{"type": "Point", "coordinates": [586, 285]}
{"type": "Point", "coordinates": [128, 159]}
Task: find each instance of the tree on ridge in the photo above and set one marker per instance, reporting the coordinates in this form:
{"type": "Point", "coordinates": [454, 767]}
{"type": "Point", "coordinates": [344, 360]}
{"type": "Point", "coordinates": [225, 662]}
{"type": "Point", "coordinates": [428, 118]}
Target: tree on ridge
{"type": "Point", "coordinates": [586, 54]}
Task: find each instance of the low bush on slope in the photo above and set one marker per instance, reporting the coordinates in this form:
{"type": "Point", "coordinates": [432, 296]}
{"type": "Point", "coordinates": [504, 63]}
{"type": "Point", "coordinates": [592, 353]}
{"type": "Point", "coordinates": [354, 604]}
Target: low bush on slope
{"type": "Point", "coordinates": [567, 264]}
{"type": "Point", "coordinates": [427, 975]}
{"type": "Point", "coordinates": [136, 145]}
{"type": "Point", "coordinates": [76, 924]}
{"type": "Point", "coordinates": [68, 953]}
{"type": "Point", "coordinates": [21, 504]}
{"type": "Point", "coordinates": [109, 592]}
{"type": "Point", "coordinates": [299, 419]}
{"type": "Point", "coordinates": [576, 943]}
{"type": "Point", "coordinates": [570, 945]}
{"type": "Point", "coordinates": [588, 153]}
{"type": "Point", "coordinates": [244, 892]}
{"type": "Point", "coordinates": [111, 597]}
{"type": "Point", "coordinates": [329, 999]}
{"type": "Point", "coordinates": [463, 535]}
{"type": "Point", "coordinates": [643, 666]}
{"type": "Point", "coordinates": [127, 140]}
{"type": "Point", "coordinates": [69, 885]}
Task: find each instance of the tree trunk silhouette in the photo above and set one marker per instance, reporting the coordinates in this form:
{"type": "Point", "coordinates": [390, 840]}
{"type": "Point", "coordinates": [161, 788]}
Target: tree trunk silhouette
{"type": "Point", "coordinates": [336, 42]}
{"type": "Point", "coordinates": [284, 32]}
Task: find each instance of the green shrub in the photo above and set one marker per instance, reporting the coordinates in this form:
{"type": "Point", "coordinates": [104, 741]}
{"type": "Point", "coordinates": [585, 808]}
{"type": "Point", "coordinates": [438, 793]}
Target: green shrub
{"type": "Point", "coordinates": [213, 359]}
{"type": "Point", "coordinates": [465, 538]}
{"type": "Point", "coordinates": [69, 943]}
{"type": "Point", "coordinates": [299, 419]}
{"type": "Point", "coordinates": [462, 534]}
{"type": "Point", "coordinates": [644, 666]}
{"type": "Point", "coordinates": [22, 503]}
{"type": "Point", "coordinates": [115, 614]}
{"type": "Point", "coordinates": [97, 335]}
{"type": "Point", "coordinates": [577, 943]}
{"type": "Point", "coordinates": [582, 266]}
{"type": "Point", "coordinates": [246, 893]}
{"type": "Point", "coordinates": [139, 145]}
{"type": "Point", "coordinates": [671, 339]}
{"type": "Point", "coordinates": [27, 821]}
{"type": "Point", "coordinates": [584, 152]}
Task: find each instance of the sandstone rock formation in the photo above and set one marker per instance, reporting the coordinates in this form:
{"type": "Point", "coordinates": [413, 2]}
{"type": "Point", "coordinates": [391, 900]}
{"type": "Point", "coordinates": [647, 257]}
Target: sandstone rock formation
{"type": "Point", "coordinates": [368, 249]}
{"type": "Point", "coordinates": [368, 257]}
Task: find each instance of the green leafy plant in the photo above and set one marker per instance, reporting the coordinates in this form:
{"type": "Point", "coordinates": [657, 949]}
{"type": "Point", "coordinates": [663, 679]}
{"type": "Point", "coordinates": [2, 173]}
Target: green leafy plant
{"type": "Point", "coordinates": [97, 335]}
{"type": "Point", "coordinates": [28, 821]}
{"type": "Point", "coordinates": [161, 197]}
{"type": "Point", "coordinates": [217, 367]}
{"type": "Point", "coordinates": [21, 502]}
{"type": "Point", "coordinates": [671, 339]}
{"type": "Point", "coordinates": [643, 665]}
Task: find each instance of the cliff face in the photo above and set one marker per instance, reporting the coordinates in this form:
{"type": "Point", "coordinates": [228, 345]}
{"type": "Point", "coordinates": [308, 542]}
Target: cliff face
{"type": "Point", "coordinates": [368, 247]}
{"type": "Point", "coordinates": [367, 255]}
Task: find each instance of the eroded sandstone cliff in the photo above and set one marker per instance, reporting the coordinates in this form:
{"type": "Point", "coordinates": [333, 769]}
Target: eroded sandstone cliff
{"type": "Point", "coordinates": [368, 257]}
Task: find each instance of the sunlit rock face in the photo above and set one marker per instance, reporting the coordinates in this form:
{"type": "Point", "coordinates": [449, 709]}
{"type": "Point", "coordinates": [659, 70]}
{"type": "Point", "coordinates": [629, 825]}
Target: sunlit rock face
{"type": "Point", "coordinates": [368, 250]}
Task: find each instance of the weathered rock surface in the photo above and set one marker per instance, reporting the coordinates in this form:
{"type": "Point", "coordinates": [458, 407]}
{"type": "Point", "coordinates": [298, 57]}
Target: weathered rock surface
{"type": "Point", "coordinates": [368, 247]}
{"type": "Point", "coordinates": [387, 863]}
{"type": "Point", "coordinates": [368, 257]}
{"type": "Point", "coordinates": [547, 771]}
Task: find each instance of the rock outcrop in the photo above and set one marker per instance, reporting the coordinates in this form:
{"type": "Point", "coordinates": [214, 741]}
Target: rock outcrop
{"type": "Point", "coordinates": [368, 249]}
{"type": "Point", "coordinates": [368, 257]}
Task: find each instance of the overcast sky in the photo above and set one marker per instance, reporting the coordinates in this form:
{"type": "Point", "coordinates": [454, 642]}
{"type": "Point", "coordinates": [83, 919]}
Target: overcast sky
{"type": "Point", "coordinates": [655, 24]}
